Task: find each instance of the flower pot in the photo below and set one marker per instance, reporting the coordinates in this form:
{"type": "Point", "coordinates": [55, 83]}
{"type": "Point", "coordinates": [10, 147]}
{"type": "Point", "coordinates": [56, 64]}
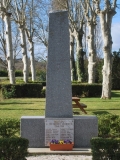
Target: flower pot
{"type": "Point", "coordinates": [61, 147]}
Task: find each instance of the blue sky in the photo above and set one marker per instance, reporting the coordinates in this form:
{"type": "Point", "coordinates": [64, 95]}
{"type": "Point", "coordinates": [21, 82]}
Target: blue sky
{"type": "Point", "coordinates": [116, 29]}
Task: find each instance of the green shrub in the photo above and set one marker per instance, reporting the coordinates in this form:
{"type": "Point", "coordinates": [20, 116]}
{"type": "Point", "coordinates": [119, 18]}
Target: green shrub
{"type": "Point", "coordinates": [41, 74]}
{"type": "Point", "coordinates": [103, 148]}
{"type": "Point", "coordinates": [109, 126]}
{"type": "Point", "coordinates": [9, 127]}
{"type": "Point", "coordinates": [116, 71]}
{"type": "Point", "coordinates": [43, 83]}
{"type": "Point", "coordinates": [32, 90]}
{"type": "Point", "coordinates": [8, 92]}
{"type": "Point", "coordinates": [3, 73]}
{"type": "Point", "coordinates": [86, 90]}
{"type": "Point", "coordinates": [13, 148]}
{"type": "Point", "coordinates": [43, 93]}
{"type": "Point", "coordinates": [18, 73]}
{"type": "Point", "coordinates": [81, 90]}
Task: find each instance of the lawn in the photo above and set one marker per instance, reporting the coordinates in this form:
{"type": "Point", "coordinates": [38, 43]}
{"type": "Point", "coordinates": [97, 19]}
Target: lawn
{"type": "Point", "coordinates": [15, 108]}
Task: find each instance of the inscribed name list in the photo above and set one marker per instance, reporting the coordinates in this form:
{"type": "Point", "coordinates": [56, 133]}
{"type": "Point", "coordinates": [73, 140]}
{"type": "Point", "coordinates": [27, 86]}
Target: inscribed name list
{"type": "Point", "coordinates": [59, 129]}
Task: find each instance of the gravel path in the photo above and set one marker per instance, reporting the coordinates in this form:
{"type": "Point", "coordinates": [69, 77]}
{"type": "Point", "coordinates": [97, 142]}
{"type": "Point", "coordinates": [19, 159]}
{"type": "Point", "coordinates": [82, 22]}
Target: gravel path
{"type": "Point", "coordinates": [60, 157]}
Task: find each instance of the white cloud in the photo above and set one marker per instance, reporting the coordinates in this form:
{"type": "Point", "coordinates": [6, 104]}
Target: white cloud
{"type": "Point", "coordinates": [115, 30]}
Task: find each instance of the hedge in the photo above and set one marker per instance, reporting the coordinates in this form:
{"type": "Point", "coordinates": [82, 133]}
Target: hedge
{"type": "Point", "coordinates": [13, 148]}
{"type": "Point", "coordinates": [103, 148]}
{"type": "Point", "coordinates": [34, 90]}
{"type": "Point", "coordinates": [9, 127]}
{"type": "Point", "coordinates": [31, 90]}
{"type": "Point", "coordinates": [107, 145]}
{"type": "Point", "coordinates": [83, 90]}
{"type": "Point", "coordinates": [86, 90]}
{"type": "Point", "coordinates": [43, 83]}
{"type": "Point", "coordinates": [3, 73]}
{"type": "Point", "coordinates": [18, 73]}
{"type": "Point", "coordinates": [109, 126]}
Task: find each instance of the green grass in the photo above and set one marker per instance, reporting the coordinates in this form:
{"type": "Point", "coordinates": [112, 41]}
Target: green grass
{"type": "Point", "coordinates": [15, 108]}
{"type": "Point", "coordinates": [18, 80]}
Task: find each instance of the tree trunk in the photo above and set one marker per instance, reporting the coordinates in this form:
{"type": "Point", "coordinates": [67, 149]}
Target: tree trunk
{"type": "Point", "coordinates": [32, 60]}
{"type": "Point", "coordinates": [10, 61]}
{"type": "Point", "coordinates": [107, 67]}
{"type": "Point", "coordinates": [72, 59]}
{"type": "Point", "coordinates": [92, 55]}
{"type": "Point", "coordinates": [80, 57]}
{"type": "Point", "coordinates": [24, 52]}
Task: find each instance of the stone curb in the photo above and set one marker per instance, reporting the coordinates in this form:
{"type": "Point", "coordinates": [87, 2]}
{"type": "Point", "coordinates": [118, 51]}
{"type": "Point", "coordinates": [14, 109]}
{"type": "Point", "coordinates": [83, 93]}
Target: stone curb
{"type": "Point", "coordinates": [45, 151]}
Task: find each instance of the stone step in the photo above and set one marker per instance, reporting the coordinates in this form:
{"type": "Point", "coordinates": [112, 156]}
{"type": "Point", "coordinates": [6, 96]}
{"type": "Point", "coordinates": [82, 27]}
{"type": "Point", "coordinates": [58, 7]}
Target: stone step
{"type": "Point", "coordinates": [75, 151]}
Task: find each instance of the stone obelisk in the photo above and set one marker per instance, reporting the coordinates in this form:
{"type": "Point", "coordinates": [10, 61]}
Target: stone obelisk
{"type": "Point", "coordinates": [58, 88]}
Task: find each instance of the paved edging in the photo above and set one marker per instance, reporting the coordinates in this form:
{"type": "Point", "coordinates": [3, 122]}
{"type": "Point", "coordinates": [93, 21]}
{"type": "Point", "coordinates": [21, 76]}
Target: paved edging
{"type": "Point", "coordinates": [75, 151]}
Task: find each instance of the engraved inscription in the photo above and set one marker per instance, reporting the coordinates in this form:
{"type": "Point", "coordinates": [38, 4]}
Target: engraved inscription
{"type": "Point", "coordinates": [59, 129]}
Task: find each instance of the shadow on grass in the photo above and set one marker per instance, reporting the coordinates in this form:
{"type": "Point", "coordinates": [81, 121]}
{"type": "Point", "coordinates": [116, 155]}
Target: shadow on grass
{"type": "Point", "coordinates": [101, 101]}
{"type": "Point", "coordinates": [76, 113]}
{"type": "Point", "coordinates": [100, 112]}
{"type": "Point", "coordinates": [40, 101]}
{"type": "Point", "coordinates": [104, 109]}
{"type": "Point", "coordinates": [115, 94]}
{"type": "Point", "coordinates": [19, 109]}
{"type": "Point", "coordinates": [1, 103]}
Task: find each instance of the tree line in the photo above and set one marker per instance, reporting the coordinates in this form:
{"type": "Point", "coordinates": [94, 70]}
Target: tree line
{"type": "Point", "coordinates": [24, 25]}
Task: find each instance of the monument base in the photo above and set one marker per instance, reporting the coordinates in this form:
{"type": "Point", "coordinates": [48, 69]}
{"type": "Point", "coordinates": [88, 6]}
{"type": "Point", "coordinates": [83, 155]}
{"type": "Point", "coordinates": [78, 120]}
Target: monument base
{"type": "Point", "coordinates": [33, 129]}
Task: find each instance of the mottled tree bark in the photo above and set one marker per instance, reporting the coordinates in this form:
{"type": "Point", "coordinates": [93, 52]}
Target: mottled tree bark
{"type": "Point", "coordinates": [107, 67]}
{"type": "Point", "coordinates": [32, 60]}
{"type": "Point", "coordinates": [72, 59]}
{"type": "Point", "coordinates": [80, 55]}
{"type": "Point", "coordinates": [31, 51]}
{"type": "Point", "coordinates": [92, 55]}
{"type": "Point", "coordinates": [24, 53]}
{"type": "Point", "coordinates": [106, 16]}
{"type": "Point", "coordinates": [5, 15]}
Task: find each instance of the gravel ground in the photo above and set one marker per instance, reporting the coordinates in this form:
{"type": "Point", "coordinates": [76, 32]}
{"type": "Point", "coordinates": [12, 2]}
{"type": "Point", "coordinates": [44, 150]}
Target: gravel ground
{"type": "Point", "coordinates": [60, 157]}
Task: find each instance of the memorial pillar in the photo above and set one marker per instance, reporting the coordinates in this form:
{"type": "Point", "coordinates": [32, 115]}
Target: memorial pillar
{"type": "Point", "coordinates": [58, 85]}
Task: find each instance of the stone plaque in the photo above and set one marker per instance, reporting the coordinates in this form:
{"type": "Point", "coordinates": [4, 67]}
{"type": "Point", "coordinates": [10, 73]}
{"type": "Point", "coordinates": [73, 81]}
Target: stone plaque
{"type": "Point", "coordinates": [59, 129]}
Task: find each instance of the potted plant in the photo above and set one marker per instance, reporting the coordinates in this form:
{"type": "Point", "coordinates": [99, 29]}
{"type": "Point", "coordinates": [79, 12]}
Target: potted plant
{"type": "Point", "coordinates": [61, 145]}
